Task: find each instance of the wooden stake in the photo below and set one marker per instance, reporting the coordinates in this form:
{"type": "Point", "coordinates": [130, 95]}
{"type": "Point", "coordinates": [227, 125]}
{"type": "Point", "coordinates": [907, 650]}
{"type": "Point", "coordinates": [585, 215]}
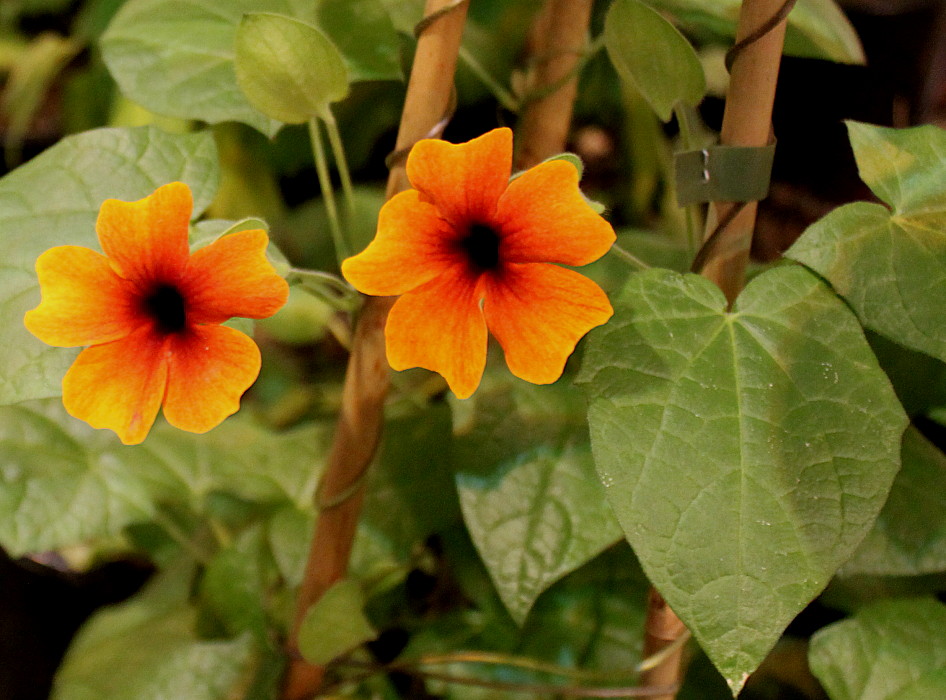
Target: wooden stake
{"type": "Point", "coordinates": [662, 628]}
{"type": "Point", "coordinates": [559, 38]}
{"type": "Point", "coordinates": [747, 121]}
{"type": "Point", "coordinates": [341, 493]}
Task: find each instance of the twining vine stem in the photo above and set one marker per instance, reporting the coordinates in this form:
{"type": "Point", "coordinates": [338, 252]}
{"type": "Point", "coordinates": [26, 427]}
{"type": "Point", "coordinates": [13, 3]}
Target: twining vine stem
{"type": "Point", "coordinates": [429, 98]}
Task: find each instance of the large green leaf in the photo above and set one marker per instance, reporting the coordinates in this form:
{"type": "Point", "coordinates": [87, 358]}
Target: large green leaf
{"type": "Point", "coordinates": [745, 453]}
{"type": "Point", "coordinates": [63, 483]}
{"type": "Point", "coordinates": [147, 649]}
{"type": "Point", "coordinates": [653, 56]}
{"type": "Point", "coordinates": [890, 263]}
{"type": "Point", "coordinates": [891, 650]}
{"type": "Point", "coordinates": [176, 57]}
{"type": "Point", "coordinates": [528, 492]}
{"type": "Point", "coordinates": [54, 200]}
{"type": "Point", "coordinates": [909, 537]}
{"type": "Point", "coordinates": [816, 28]}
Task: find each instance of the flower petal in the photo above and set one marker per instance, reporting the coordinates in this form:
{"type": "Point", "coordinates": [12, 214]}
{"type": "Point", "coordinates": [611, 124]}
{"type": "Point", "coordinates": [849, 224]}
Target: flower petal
{"type": "Point", "coordinates": [147, 240]}
{"type": "Point", "coordinates": [119, 385]}
{"type": "Point", "coordinates": [412, 247]}
{"type": "Point", "coordinates": [232, 277]}
{"type": "Point", "coordinates": [83, 301]}
{"type": "Point", "coordinates": [538, 313]}
{"type": "Point", "coordinates": [544, 218]}
{"type": "Point", "coordinates": [440, 327]}
{"type": "Point", "coordinates": [464, 181]}
{"type": "Point", "coordinates": [209, 368]}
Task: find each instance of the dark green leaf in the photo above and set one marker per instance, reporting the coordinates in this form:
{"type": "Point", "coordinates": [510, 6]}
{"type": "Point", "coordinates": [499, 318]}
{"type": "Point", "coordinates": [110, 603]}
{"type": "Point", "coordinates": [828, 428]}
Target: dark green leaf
{"type": "Point", "coordinates": [909, 537]}
{"type": "Point", "coordinates": [892, 650]}
{"type": "Point", "coordinates": [335, 624]}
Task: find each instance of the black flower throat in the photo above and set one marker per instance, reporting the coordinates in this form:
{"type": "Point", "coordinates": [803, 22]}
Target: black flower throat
{"type": "Point", "coordinates": [481, 247]}
{"type": "Point", "coordinates": [165, 305]}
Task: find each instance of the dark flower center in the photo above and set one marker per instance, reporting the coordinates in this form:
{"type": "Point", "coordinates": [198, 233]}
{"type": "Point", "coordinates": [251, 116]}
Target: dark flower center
{"type": "Point", "coordinates": [166, 306]}
{"type": "Point", "coordinates": [481, 246]}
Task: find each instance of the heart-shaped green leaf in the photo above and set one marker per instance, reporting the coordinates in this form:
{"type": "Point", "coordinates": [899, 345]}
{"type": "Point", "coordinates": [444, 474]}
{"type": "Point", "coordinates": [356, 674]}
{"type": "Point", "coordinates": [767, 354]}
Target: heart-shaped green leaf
{"type": "Point", "coordinates": [528, 491]}
{"type": "Point", "coordinates": [652, 55]}
{"type": "Point", "coordinates": [54, 200]}
{"type": "Point", "coordinates": [891, 650]}
{"type": "Point", "coordinates": [745, 453]}
{"type": "Point", "coordinates": [288, 70]}
{"type": "Point", "coordinates": [890, 263]}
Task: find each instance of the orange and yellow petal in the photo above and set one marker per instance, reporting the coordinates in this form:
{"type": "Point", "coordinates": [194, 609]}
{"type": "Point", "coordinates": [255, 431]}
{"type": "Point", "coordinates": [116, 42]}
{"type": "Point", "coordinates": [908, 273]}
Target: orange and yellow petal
{"type": "Point", "coordinates": [209, 368]}
{"type": "Point", "coordinates": [464, 181]}
{"type": "Point", "coordinates": [147, 240]}
{"type": "Point", "coordinates": [119, 385]}
{"type": "Point", "coordinates": [538, 313]}
{"type": "Point", "coordinates": [545, 218]}
{"type": "Point", "coordinates": [83, 301]}
{"type": "Point", "coordinates": [412, 247]}
{"type": "Point", "coordinates": [232, 277]}
{"type": "Point", "coordinates": [440, 327]}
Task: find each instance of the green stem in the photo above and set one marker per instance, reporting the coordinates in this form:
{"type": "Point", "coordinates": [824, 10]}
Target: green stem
{"type": "Point", "coordinates": [338, 152]}
{"type": "Point", "coordinates": [342, 250]}
{"type": "Point", "coordinates": [629, 257]}
{"type": "Point", "coordinates": [502, 95]}
{"type": "Point", "coordinates": [686, 138]}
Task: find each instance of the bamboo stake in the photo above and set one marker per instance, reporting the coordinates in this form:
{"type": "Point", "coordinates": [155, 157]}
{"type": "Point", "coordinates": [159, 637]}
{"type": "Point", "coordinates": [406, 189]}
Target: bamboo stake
{"type": "Point", "coordinates": [662, 629]}
{"type": "Point", "coordinates": [559, 37]}
{"type": "Point", "coordinates": [341, 493]}
{"type": "Point", "coordinates": [747, 121]}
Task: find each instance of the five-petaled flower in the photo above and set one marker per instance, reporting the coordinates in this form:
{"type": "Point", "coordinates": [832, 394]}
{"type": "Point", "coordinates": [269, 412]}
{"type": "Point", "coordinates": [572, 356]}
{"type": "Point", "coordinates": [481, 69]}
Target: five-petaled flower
{"type": "Point", "coordinates": [468, 250]}
{"type": "Point", "coordinates": [151, 313]}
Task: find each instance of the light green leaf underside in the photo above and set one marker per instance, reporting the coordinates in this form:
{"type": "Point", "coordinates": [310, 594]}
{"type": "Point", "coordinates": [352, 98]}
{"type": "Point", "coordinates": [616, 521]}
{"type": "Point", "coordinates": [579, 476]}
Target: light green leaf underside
{"type": "Point", "coordinates": [529, 496]}
{"type": "Point", "coordinates": [147, 649]}
{"type": "Point", "coordinates": [745, 454]}
{"type": "Point", "coordinates": [816, 28]}
{"type": "Point", "coordinates": [653, 56]}
{"type": "Point", "coordinates": [890, 264]}
{"type": "Point", "coordinates": [176, 57]}
{"type": "Point", "coordinates": [287, 69]}
{"type": "Point", "coordinates": [63, 483]}
{"type": "Point", "coordinates": [891, 650]}
{"type": "Point", "coordinates": [909, 537]}
{"type": "Point", "coordinates": [54, 200]}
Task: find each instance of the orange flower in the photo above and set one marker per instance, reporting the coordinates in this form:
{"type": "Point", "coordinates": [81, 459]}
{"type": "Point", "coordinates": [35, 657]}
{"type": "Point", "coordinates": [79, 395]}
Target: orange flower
{"type": "Point", "coordinates": [151, 313]}
{"type": "Point", "coordinates": [469, 250]}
